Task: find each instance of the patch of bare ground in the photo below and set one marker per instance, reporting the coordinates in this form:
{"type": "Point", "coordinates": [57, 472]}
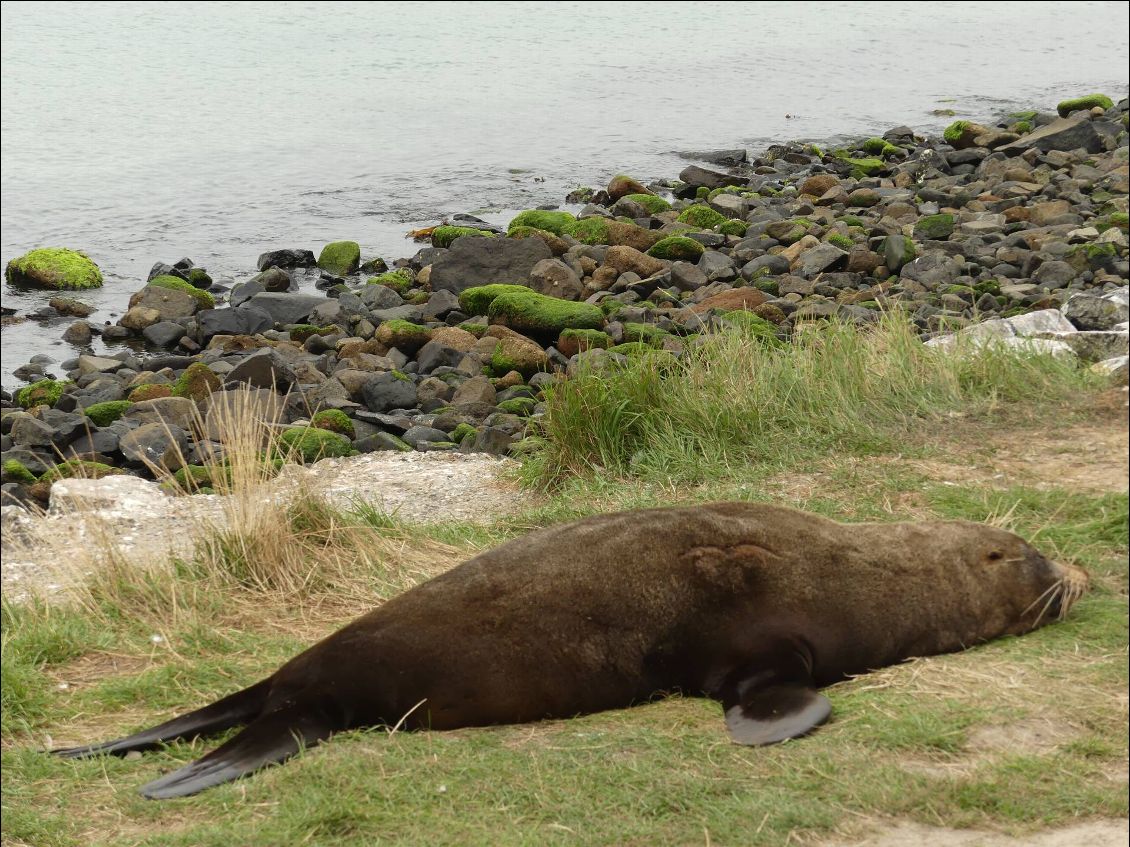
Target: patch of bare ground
{"type": "Point", "coordinates": [1096, 833]}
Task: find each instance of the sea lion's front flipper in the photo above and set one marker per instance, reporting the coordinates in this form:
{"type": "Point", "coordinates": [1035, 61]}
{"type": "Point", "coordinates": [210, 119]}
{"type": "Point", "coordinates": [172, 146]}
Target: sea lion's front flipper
{"type": "Point", "coordinates": [270, 739]}
{"type": "Point", "coordinates": [223, 714]}
{"type": "Point", "coordinates": [776, 713]}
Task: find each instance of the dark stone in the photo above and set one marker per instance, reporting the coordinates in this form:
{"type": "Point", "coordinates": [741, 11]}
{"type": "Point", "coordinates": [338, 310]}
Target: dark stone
{"type": "Point", "coordinates": [418, 434]}
{"type": "Point", "coordinates": [163, 333]}
{"type": "Point", "coordinates": [435, 355]}
{"type": "Point", "coordinates": [471, 262]}
{"type": "Point", "coordinates": [286, 259]}
{"type": "Point", "coordinates": [390, 391]}
{"type": "Point", "coordinates": [381, 297]}
{"type": "Point", "coordinates": [393, 423]}
{"type": "Point", "coordinates": [1063, 134]}
{"type": "Point", "coordinates": [440, 304]}
{"type": "Point", "coordinates": [696, 176]}
{"type": "Point", "coordinates": [158, 444]}
{"type": "Point", "coordinates": [490, 439]}
{"type": "Point", "coordinates": [79, 333]}
{"type": "Point", "coordinates": [286, 308]}
{"type": "Point", "coordinates": [379, 441]}
{"type": "Point", "coordinates": [242, 320]}
{"type": "Point", "coordinates": [262, 369]}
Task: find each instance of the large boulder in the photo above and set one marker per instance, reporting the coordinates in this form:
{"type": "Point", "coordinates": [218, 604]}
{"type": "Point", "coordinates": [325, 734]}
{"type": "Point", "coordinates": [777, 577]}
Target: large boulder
{"type": "Point", "coordinates": [54, 268]}
{"type": "Point", "coordinates": [242, 320]}
{"type": "Point", "coordinates": [554, 278]}
{"type": "Point", "coordinates": [471, 262]}
{"type": "Point", "coordinates": [340, 258]}
{"type": "Point", "coordinates": [286, 308]}
{"type": "Point", "coordinates": [1063, 134]}
{"type": "Point", "coordinates": [286, 259]}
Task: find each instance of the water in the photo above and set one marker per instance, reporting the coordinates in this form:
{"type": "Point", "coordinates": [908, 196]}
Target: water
{"type": "Point", "coordinates": [146, 132]}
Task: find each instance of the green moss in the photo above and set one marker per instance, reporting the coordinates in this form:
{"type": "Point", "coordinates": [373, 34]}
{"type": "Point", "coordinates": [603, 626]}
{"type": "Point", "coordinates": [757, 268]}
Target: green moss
{"type": "Point", "coordinates": [734, 227]}
{"type": "Point", "coordinates": [934, 227]}
{"type": "Point", "coordinates": [174, 283]}
{"type": "Point", "coordinates": [988, 286]}
{"type": "Point", "coordinates": [851, 220]}
{"type": "Point", "coordinates": [104, 414]}
{"type": "Point", "coordinates": [1118, 219]}
{"type": "Point", "coordinates": [592, 230]}
{"type": "Point", "coordinates": [954, 131]}
{"type": "Point", "coordinates": [80, 468]}
{"type": "Point", "coordinates": [610, 306]}
{"type": "Point", "coordinates": [555, 222]}
{"type": "Point", "coordinates": [462, 431]}
{"type": "Point", "coordinates": [523, 406]}
{"type": "Point", "coordinates": [676, 247]}
{"type": "Point", "coordinates": [399, 280]}
{"type": "Point", "coordinates": [334, 420]}
{"type": "Point", "coordinates": [702, 193]}
{"type": "Point", "coordinates": [150, 391]}
{"type": "Point", "coordinates": [477, 330]}
{"type": "Point", "coordinates": [864, 167]}
{"type": "Point", "coordinates": [1088, 101]}
{"type": "Point", "coordinates": [1021, 127]}
{"type": "Point", "coordinates": [527, 311]}
{"type": "Point", "coordinates": [755, 325]}
{"type": "Point", "coordinates": [56, 268]}
{"type": "Point", "coordinates": [584, 339]}
{"type": "Point", "coordinates": [841, 241]}
{"type": "Point", "coordinates": [45, 392]}
{"type": "Point", "coordinates": [442, 236]}
{"type": "Point", "coordinates": [702, 217]}
{"type": "Point", "coordinates": [654, 205]}
{"type": "Point", "coordinates": [769, 286]}
{"type": "Point", "coordinates": [477, 300]}
{"type": "Point", "coordinates": [197, 382]}
{"type": "Point", "coordinates": [1025, 115]}
{"type": "Point", "coordinates": [193, 478]}
{"type": "Point", "coordinates": [199, 278]}
{"type": "Point", "coordinates": [301, 332]}
{"type": "Point", "coordinates": [631, 348]}
{"type": "Point", "coordinates": [16, 471]}
{"type": "Point", "coordinates": [647, 333]}
{"type": "Point", "coordinates": [880, 147]}
{"type": "Point", "coordinates": [309, 444]}
{"type": "Point", "coordinates": [1094, 256]}
{"type": "Point", "coordinates": [340, 258]}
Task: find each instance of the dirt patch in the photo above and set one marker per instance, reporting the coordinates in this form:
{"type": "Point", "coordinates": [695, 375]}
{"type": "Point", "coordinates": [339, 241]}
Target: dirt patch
{"type": "Point", "coordinates": [1099, 833]}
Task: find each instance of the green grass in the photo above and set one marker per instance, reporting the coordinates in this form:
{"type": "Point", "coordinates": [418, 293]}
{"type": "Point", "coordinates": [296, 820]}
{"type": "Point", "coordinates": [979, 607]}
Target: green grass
{"type": "Point", "coordinates": [856, 414]}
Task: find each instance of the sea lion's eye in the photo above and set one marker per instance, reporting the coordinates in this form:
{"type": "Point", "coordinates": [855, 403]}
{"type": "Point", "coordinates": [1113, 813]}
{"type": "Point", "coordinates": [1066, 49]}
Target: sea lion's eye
{"type": "Point", "coordinates": [995, 555]}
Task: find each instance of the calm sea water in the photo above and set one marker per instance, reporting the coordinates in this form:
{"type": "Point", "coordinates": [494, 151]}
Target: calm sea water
{"type": "Point", "coordinates": [143, 132]}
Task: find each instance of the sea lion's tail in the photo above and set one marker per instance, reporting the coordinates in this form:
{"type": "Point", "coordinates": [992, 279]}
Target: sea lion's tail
{"type": "Point", "coordinates": [232, 710]}
{"type": "Point", "coordinates": [269, 739]}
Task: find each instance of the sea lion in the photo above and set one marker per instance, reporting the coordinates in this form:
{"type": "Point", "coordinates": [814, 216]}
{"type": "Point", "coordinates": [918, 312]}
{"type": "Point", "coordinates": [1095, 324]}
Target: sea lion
{"type": "Point", "coordinates": [752, 605]}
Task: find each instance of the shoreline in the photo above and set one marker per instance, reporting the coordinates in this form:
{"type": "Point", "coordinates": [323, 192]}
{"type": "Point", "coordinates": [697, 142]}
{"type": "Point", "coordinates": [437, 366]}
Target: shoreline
{"type": "Point", "coordinates": [984, 225]}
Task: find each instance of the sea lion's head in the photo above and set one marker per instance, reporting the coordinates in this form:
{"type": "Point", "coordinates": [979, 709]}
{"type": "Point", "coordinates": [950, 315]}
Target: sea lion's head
{"type": "Point", "coordinates": [1018, 589]}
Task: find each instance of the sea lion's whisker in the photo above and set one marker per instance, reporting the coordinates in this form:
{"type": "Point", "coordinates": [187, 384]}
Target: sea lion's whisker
{"type": "Point", "coordinates": [1035, 602]}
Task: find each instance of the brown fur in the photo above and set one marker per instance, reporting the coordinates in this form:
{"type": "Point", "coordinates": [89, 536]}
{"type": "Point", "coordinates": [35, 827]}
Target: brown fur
{"type": "Point", "coordinates": [718, 600]}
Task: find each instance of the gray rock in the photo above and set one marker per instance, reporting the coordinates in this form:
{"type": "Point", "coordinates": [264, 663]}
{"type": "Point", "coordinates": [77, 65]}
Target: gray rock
{"type": "Point", "coordinates": [79, 333]}
{"type": "Point", "coordinates": [695, 176]}
{"type": "Point", "coordinates": [439, 304]}
{"type": "Point", "coordinates": [775, 264]}
{"type": "Point", "coordinates": [687, 277]}
{"type": "Point", "coordinates": [823, 257]}
{"type": "Point", "coordinates": [375, 297]}
{"type": "Point", "coordinates": [242, 320]}
{"type": "Point", "coordinates": [381, 441]}
{"type": "Point", "coordinates": [417, 434]}
{"type": "Point", "coordinates": [477, 389]}
{"type": "Point", "coordinates": [155, 445]}
{"type": "Point", "coordinates": [387, 391]}
{"type": "Point", "coordinates": [173, 411]}
{"type": "Point", "coordinates": [168, 303]}
{"type": "Point", "coordinates": [289, 258]}
{"type": "Point", "coordinates": [1093, 346]}
{"type": "Point", "coordinates": [490, 439]}
{"type": "Point", "coordinates": [263, 369]}
{"type": "Point", "coordinates": [163, 333]}
{"type": "Point", "coordinates": [29, 431]}
{"type": "Point", "coordinates": [554, 278]}
{"type": "Point", "coordinates": [98, 364]}
{"type": "Point", "coordinates": [717, 266]}
{"type": "Point", "coordinates": [435, 355]}
{"type": "Point", "coordinates": [1064, 134]}
{"type": "Point", "coordinates": [1044, 320]}
{"type": "Point", "coordinates": [480, 261]}
{"type": "Point", "coordinates": [1087, 310]}
{"type": "Point", "coordinates": [286, 308]}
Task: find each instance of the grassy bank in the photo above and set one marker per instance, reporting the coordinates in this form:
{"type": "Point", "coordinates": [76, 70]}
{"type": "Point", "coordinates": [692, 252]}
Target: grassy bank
{"type": "Point", "coordinates": [1016, 735]}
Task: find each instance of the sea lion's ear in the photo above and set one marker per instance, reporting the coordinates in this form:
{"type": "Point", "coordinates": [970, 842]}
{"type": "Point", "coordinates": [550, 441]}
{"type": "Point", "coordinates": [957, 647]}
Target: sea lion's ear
{"type": "Point", "coordinates": [776, 713]}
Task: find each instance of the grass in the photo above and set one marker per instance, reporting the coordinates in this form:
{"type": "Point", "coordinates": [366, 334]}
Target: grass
{"type": "Point", "coordinates": [1015, 735]}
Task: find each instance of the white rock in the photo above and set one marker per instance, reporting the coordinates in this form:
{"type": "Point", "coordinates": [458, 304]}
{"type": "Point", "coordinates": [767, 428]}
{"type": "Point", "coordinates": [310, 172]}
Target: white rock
{"type": "Point", "coordinates": [1118, 367]}
{"type": "Point", "coordinates": [1112, 236]}
{"type": "Point", "coordinates": [119, 492]}
{"type": "Point", "coordinates": [1045, 320]}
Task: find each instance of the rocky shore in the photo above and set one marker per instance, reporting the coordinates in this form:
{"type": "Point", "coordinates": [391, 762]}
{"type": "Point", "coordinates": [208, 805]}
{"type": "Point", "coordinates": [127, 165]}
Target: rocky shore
{"type": "Point", "coordinates": [1015, 229]}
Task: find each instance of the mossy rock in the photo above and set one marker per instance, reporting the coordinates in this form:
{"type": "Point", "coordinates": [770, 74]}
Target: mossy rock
{"type": "Point", "coordinates": [16, 471]}
{"type": "Point", "coordinates": [647, 333]}
{"type": "Point", "coordinates": [193, 478]}
{"type": "Point", "coordinates": [197, 382]}
{"type": "Point", "coordinates": [841, 241]}
{"type": "Point", "coordinates": [523, 406]}
{"type": "Point", "coordinates": [309, 444]}
{"type": "Point", "coordinates": [592, 230]}
{"type": "Point", "coordinates": [462, 431]}
{"type": "Point", "coordinates": [654, 205]}
{"type": "Point", "coordinates": [334, 420]}
{"type": "Point", "coordinates": [399, 281]}
{"type": "Point", "coordinates": [754, 325]}
{"type": "Point", "coordinates": [151, 391]}
{"type": "Point", "coordinates": [851, 220]}
{"type": "Point", "coordinates": [934, 227]}
{"type": "Point", "coordinates": [1087, 102]}
{"type": "Point", "coordinates": [442, 236]}
{"type": "Point", "coordinates": [610, 306]}
{"type": "Point", "coordinates": [861, 167]}
{"type": "Point", "coordinates": [1021, 127]}
{"type": "Point", "coordinates": [556, 245]}
{"type": "Point", "coordinates": [1091, 256]}
{"type": "Point", "coordinates": [199, 278]}
{"type": "Point", "coordinates": [477, 300]}
{"type": "Point", "coordinates": [528, 312]}
{"type": "Point", "coordinates": [45, 392]}
{"type": "Point", "coordinates": [702, 217]}
{"type": "Point", "coordinates": [769, 286]}
{"type": "Point", "coordinates": [517, 354]}
{"type": "Point", "coordinates": [477, 330]}
{"type": "Point", "coordinates": [677, 248]}
{"type": "Point", "coordinates": [340, 258]}
{"type": "Point", "coordinates": [405, 336]}
{"type": "Point", "coordinates": [988, 286]}
{"type": "Point", "coordinates": [104, 414]}
{"type": "Point", "coordinates": [954, 132]}
{"type": "Point", "coordinates": [631, 348]}
{"type": "Point", "coordinates": [734, 227]}
{"type": "Point", "coordinates": [549, 221]}
{"type": "Point", "coordinates": [880, 147]}
{"type": "Point", "coordinates": [55, 268]}
{"type": "Point", "coordinates": [203, 299]}
{"type": "Point", "coordinates": [1119, 220]}
{"type": "Point", "coordinates": [573, 341]}
{"type": "Point", "coordinates": [81, 468]}
{"type": "Point", "coordinates": [301, 332]}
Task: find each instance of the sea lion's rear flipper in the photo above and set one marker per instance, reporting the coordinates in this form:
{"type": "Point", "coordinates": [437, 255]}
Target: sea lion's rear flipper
{"type": "Point", "coordinates": [776, 713]}
{"type": "Point", "coordinates": [223, 714]}
{"type": "Point", "coordinates": [270, 739]}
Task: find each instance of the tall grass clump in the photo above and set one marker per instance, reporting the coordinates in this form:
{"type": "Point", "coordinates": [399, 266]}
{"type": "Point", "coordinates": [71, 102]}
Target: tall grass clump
{"type": "Point", "coordinates": [732, 400]}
